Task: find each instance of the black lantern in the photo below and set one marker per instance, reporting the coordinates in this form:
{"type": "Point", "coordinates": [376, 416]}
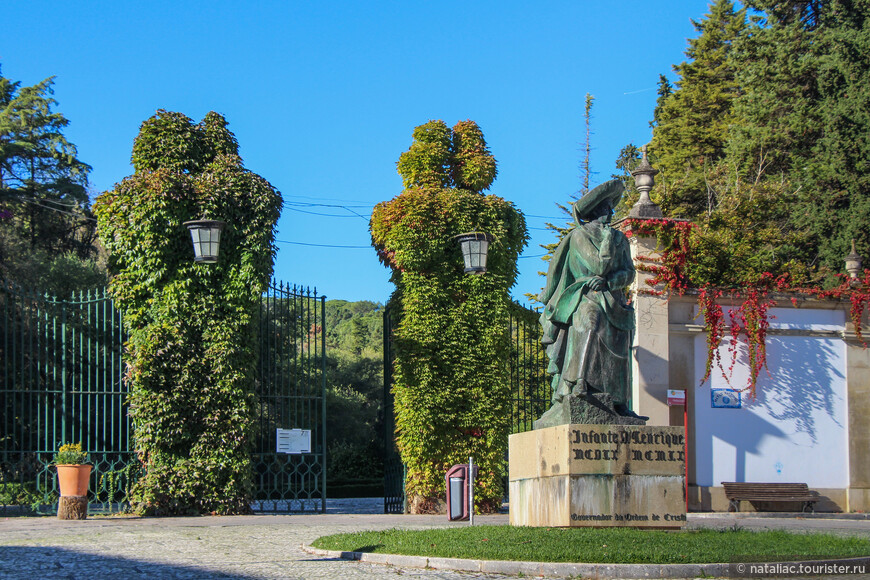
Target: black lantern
{"type": "Point", "coordinates": [853, 263]}
{"type": "Point", "coordinates": [206, 236]}
{"type": "Point", "coordinates": [475, 246]}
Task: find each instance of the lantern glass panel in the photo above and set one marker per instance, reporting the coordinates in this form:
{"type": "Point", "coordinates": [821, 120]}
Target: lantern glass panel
{"type": "Point", "coordinates": [475, 246]}
{"type": "Point", "coordinates": [206, 237]}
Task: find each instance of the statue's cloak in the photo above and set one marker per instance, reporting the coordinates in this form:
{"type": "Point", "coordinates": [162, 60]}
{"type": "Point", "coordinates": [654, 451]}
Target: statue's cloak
{"type": "Point", "coordinates": [589, 250]}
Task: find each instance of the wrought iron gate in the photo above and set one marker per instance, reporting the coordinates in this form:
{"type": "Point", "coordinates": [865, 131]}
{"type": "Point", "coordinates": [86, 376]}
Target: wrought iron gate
{"type": "Point", "coordinates": [530, 385]}
{"type": "Point", "coordinates": [530, 388]}
{"type": "Point", "coordinates": [292, 393]}
{"type": "Point", "coordinates": [62, 367]}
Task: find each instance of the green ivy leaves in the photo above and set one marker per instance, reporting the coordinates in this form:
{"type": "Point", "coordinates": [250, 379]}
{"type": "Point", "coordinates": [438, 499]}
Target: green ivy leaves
{"type": "Point", "coordinates": [441, 157]}
{"type": "Point", "coordinates": [451, 387]}
{"type": "Point", "coordinates": [192, 348]}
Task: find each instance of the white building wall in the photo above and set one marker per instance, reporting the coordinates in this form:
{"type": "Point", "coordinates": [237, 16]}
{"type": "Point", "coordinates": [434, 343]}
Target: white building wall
{"type": "Point", "coordinates": [796, 430]}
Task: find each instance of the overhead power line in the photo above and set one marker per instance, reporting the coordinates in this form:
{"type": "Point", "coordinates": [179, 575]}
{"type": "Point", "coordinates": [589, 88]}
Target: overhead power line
{"type": "Point", "coordinates": [38, 203]}
{"type": "Point", "coordinates": [312, 204]}
{"type": "Point", "coordinates": [322, 245]}
{"type": "Point", "coordinates": [326, 214]}
{"type": "Point", "coordinates": [85, 218]}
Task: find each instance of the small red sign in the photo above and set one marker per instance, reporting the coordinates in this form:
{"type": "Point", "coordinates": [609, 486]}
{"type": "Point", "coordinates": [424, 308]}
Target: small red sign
{"type": "Point", "coordinates": [676, 397]}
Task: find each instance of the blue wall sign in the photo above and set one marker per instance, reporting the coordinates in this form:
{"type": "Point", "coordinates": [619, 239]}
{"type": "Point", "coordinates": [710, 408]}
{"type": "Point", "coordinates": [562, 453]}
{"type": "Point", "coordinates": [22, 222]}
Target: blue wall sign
{"type": "Point", "coordinates": [726, 399]}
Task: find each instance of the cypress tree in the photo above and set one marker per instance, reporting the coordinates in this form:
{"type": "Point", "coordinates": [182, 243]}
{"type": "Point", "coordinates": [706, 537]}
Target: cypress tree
{"type": "Point", "coordinates": [804, 119]}
{"type": "Point", "coordinates": [692, 119]}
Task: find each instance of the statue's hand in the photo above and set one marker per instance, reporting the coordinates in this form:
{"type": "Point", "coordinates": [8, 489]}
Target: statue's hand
{"type": "Point", "coordinates": [598, 284]}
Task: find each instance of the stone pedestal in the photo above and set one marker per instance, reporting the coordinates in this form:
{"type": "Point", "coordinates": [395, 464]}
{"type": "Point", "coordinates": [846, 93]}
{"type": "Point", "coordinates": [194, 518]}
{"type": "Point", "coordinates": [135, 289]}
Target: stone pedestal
{"type": "Point", "coordinates": [598, 475]}
{"type": "Point", "coordinates": [590, 408]}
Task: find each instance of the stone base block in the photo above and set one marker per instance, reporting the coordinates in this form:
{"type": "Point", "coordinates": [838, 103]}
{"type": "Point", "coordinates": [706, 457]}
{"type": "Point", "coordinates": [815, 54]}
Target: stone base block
{"type": "Point", "coordinates": [598, 500]}
{"type": "Point", "coordinates": [598, 475]}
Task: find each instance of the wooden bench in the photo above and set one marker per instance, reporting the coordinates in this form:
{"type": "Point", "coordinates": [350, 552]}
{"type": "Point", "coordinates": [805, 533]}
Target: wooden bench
{"type": "Point", "coordinates": [794, 492]}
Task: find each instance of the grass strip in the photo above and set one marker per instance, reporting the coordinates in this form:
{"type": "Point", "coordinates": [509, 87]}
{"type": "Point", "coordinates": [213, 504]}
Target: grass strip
{"type": "Point", "coordinates": [599, 545]}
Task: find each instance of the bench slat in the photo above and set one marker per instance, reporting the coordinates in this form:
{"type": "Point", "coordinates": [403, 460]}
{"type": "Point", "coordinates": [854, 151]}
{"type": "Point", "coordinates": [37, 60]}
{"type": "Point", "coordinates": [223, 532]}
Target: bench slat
{"type": "Point", "coordinates": [736, 492]}
{"type": "Point", "coordinates": [775, 497]}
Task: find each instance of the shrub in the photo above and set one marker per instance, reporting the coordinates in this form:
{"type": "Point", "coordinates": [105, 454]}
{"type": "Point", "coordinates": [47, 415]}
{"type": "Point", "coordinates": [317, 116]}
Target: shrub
{"type": "Point", "coordinates": [452, 397]}
{"type": "Point", "coordinates": [192, 338]}
{"type": "Point", "coordinates": [70, 454]}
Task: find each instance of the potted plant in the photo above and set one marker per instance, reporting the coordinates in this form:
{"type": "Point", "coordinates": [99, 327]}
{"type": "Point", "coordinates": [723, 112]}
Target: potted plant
{"type": "Point", "coordinates": [73, 475]}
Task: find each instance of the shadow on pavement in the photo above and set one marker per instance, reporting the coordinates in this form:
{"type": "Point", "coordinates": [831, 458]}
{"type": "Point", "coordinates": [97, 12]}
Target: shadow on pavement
{"type": "Point", "coordinates": [50, 562]}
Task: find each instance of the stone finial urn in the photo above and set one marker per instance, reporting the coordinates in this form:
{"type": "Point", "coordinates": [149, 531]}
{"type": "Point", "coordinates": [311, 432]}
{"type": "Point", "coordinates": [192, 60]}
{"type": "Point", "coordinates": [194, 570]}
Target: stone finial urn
{"type": "Point", "coordinates": [644, 178]}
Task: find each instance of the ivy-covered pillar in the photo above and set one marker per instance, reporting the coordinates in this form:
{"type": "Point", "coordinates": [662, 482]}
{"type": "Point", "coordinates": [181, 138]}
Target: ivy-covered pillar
{"type": "Point", "coordinates": [192, 346]}
{"type": "Point", "coordinates": [451, 384]}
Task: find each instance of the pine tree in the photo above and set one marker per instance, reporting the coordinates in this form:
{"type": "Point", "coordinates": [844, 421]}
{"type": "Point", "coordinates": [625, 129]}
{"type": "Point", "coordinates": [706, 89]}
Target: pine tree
{"type": "Point", "coordinates": [585, 164]}
{"type": "Point", "coordinates": [585, 180]}
{"type": "Point", "coordinates": [628, 159]}
{"type": "Point", "coordinates": [45, 221]}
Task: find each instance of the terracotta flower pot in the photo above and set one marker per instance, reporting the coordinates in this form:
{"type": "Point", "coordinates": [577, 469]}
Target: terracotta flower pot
{"type": "Point", "coordinates": [73, 479]}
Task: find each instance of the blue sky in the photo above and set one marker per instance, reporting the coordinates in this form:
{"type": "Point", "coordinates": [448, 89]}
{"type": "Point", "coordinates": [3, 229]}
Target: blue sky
{"type": "Point", "coordinates": [324, 96]}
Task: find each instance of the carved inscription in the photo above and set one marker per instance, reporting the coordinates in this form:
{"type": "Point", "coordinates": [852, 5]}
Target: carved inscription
{"type": "Point", "coordinates": [596, 454]}
{"type": "Point", "coordinates": [658, 455]}
{"type": "Point", "coordinates": [627, 447]}
{"type": "Point", "coordinates": [624, 437]}
{"type": "Point", "coordinates": [628, 517]}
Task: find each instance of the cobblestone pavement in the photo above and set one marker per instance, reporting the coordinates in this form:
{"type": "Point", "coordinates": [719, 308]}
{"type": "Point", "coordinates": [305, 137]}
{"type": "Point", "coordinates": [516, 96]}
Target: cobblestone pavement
{"type": "Point", "coordinates": [259, 546]}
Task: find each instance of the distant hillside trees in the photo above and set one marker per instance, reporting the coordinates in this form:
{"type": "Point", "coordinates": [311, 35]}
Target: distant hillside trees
{"type": "Point", "coordinates": [355, 392]}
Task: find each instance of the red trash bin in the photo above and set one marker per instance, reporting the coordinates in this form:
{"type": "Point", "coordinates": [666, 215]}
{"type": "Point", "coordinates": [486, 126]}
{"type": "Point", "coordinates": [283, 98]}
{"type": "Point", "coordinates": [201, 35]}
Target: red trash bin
{"type": "Point", "coordinates": [457, 492]}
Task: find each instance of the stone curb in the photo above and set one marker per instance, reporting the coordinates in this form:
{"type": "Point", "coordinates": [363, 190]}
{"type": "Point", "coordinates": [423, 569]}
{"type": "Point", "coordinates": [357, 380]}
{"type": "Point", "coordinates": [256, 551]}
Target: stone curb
{"type": "Point", "coordinates": [784, 515]}
{"type": "Point", "coordinates": [561, 569]}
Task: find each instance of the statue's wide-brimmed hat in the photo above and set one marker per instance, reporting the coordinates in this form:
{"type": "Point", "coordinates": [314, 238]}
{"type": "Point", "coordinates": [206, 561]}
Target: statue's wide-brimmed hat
{"type": "Point", "coordinates": [610, 191]}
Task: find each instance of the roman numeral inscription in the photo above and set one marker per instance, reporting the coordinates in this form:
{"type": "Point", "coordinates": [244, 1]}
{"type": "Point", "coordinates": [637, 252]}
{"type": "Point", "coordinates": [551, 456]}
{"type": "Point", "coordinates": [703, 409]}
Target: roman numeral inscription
{"type": "Point", "coordinates": [598, 445]}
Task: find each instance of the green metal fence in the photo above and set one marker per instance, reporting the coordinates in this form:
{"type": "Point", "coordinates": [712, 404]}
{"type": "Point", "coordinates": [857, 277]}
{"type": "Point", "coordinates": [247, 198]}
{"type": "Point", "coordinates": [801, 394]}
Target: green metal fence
{"type": "Point", "coordinates": [530, 385]}
{"type": "Point", "coordinates": [394, 469]}
{"type": "Point", "coordinates": [62, 367]}
{"type": "Point", "coordinates": [62, 382]}
{"type": "Point", "coordinates": [530, 393]}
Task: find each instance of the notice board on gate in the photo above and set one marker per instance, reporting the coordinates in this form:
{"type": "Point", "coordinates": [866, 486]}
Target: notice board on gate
{"type": "Point", "coordinates": [293, 441]}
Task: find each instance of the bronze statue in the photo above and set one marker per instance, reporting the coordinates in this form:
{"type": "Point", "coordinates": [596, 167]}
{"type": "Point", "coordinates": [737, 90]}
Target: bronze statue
{"type": "Point", "coordinates": [587, 323]}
